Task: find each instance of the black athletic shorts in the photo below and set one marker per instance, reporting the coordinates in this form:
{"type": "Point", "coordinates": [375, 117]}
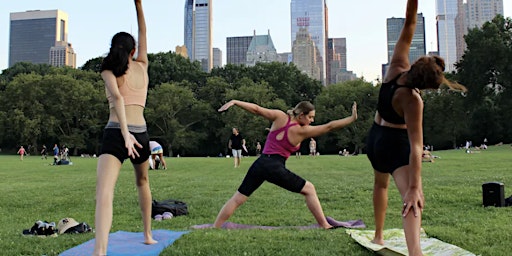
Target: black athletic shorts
{"type": "Point", "coordinates": [270, 168]}
{"type": "Point", "coordinates": [387, 148]}
{"type": "Point", "coordinates": [113, 144]}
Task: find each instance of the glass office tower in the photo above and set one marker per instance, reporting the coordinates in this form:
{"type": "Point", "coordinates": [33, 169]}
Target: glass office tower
{"type": "Point", "coordinates": [198, 32]}
{"type": "Point", "coordinates": [418, 46]}
{"type": "Point", "coordinates": [34, 35]}
{"type": "Point", "coordinates": [310, 17]}
{"type": "Point", "coordinates": [446, 14]}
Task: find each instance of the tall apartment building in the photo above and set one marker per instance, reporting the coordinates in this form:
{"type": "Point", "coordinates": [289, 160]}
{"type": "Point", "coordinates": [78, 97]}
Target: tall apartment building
{"type": "Point", "coordinates": [473, 14]}
{"type": "Point", "coordinates": [337, 58]}
{"type": "Point", "coordinates": [418, 46]}
{"type": "Point", "coordinates": [479, 12]}
{"type": "Point", "coordinates": [446, 15]}
{"type": "Point", "coordinates": [40, 37]}
{"type": "Point", "coordinates": [309, 22]}
{"type": "Point", "coordinates": [454, 19]}
{"type": "Point", "coordinates": [236, 49]}
{"type": "Point", "coordinates": [62, 54]}
{"type": "Point", "coordinates": [217, 58]}
{"type": "Point", "coordinates": [306, 55]}
{"type": "Point", "coordinates": [198, 32]}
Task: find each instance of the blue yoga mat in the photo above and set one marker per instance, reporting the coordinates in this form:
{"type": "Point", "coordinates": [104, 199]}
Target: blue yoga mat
{"type": "Point", "coordinates": [123, 243]}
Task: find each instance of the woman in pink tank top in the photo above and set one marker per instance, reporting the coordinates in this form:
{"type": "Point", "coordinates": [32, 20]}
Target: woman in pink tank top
{"type": "Point", "coordinates": [288, 130]}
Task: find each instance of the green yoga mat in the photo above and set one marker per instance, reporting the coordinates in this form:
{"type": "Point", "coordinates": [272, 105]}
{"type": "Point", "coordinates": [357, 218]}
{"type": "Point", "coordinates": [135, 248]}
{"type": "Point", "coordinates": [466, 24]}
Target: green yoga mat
{"type": "Point", "coordinates": [395, 243]}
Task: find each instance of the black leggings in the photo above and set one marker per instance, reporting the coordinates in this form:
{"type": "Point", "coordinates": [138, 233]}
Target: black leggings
{"type": "Point", "coordinates": [387, 148]}
{"type": "Point", "coordinates": [270, 168]}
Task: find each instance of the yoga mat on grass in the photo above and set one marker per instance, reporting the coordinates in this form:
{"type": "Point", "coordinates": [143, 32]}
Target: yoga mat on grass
{"type": "Point", "coordinates": [123, 243]}
{"type": "Point", "coordinates": [395, 244]}
{"type": "Point", "coordinates": [332, 221]}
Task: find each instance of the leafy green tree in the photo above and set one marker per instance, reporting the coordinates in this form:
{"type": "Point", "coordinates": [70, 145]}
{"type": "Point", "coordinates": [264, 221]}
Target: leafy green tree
{"type": "Point", "coordinates": [252, 127]}
{"type": "Point", "coordinates": [486, 70]}
{"type": "Point", "coordinates": [22, 68]}
{"type": "Point", "coordinates": [167, 67]}
{"type": "Point", "coordinates": [335, 102]}
{"type": "Point", "coordinates": [445, 119]}
{"type": "Point", "coordinates": [289, 83]}
{"type": "Point", "coordinates": [175, 115]}
{"type": "Point", "coordinates": [93, 64]}
{"type": "Point", "coordinates": [24, 110]}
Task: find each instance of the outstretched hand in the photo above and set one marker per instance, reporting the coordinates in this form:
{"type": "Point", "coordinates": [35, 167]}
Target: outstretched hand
{"type": "Point", "coordinates": [354, 110]}
{"type": "Point", "coordinates": [226, 106]}
{"type": "Point", "coordinates": [130, 144]}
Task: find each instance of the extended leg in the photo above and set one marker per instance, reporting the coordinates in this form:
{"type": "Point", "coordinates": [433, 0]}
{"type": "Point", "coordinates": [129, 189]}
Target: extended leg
{"type": "Point", "coordinates": [380, 204]}
{"type": "Point", "coordinates": [314, 205]}
{"type": "Point", "coordinates": [229, 208]}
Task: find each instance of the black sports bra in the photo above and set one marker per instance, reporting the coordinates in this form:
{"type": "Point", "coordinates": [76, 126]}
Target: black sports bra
{"type": "Point", "coordinates": [385, 106]}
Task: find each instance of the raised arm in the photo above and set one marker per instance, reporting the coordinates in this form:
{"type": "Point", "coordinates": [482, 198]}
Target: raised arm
{"type": "Point", "coordinates": [317, 130]}
{"type": "Point", "coordinates": [142, 55]}
{"type": "Point", "coordinates": [400, 59]}
{"type": "Point", "coordinates": [270, 114]}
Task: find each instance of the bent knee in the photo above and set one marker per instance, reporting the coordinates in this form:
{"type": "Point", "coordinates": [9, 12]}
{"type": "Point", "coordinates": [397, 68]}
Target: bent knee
{"type": "Point", "coordinates": [308, 188]}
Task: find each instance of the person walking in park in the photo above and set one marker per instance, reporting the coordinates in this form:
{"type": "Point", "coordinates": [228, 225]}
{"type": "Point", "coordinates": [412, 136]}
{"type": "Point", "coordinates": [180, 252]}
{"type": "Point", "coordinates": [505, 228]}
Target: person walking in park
{"type": "Point", "coordinates": [21, 152]}
{"type": "Point", "coordinates": [288, 130]}
{"type": "Point", "coordinates": [44, 152]}
{"type": "Point", "coordinates": [125, 135]}
{"type": "Point", "coordinates": [236, 144]}
{"type": "Point", "coordinates": [395, 141]}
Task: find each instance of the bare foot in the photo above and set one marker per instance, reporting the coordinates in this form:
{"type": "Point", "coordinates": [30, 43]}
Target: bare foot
{"type": "Point", "coordinates": [150, 241]}
{"type": "Point", "coordinates": [378, 241]}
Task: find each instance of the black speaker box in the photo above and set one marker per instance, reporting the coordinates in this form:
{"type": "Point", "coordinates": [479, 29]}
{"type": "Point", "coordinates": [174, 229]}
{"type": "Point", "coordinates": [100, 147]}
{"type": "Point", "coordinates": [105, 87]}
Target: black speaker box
{"type": "Point", "coordinates": [493, 194]}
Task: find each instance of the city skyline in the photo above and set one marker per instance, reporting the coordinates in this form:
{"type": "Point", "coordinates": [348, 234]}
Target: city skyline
{"type": "Point", "coordinates": [364, 30]}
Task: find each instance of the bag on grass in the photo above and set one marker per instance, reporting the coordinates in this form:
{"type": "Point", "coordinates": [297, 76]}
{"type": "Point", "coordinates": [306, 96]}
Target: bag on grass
{"type": "Point", "coordinates": [175, 207]}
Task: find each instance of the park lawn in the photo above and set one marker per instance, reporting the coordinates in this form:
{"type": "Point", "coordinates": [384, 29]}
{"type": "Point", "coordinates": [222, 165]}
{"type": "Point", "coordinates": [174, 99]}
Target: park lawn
{"type": "Point", "coordinates": [34, 190]}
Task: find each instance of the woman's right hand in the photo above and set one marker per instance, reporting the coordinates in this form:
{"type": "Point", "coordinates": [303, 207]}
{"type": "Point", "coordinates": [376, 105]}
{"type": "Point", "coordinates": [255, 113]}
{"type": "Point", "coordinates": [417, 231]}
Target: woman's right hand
{"type": "Point", "coordinates": [226, 106]}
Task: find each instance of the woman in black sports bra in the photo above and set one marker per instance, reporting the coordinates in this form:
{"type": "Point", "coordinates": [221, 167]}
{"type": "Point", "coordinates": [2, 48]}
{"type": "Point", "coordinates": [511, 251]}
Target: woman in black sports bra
{"type": "Point", "coordinates": [395, 141]}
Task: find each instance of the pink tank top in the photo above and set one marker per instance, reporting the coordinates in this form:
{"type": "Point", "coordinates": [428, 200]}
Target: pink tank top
{"type": "Point", "coordinates": [281, 147]}
{"type": "Point", "coordinates": [132, 95]}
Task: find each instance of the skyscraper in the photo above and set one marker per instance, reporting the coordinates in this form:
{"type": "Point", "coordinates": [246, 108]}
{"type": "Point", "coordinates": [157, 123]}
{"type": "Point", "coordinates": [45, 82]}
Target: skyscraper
{"type": "Point", "coordinates": [236, 49]}
{"type": "Point", "coordinates": [418, 46]}
{"type": "Point", "coordinates": [309, 17]}
{"type": "Point", "coordinates": [337, 57]}
{"type": "Point", "coordinates": [481, 11]}
{"type": "Point", "coordinates": [217, 58]}
{"type": "Point", "coordinates": [198, 32]}
{"type": "Point", "coordinates": [446, 14]}
{"type": "Point", "coordinates": [38, 36]}
{"type": "Point", "coordinates": [62, 54]}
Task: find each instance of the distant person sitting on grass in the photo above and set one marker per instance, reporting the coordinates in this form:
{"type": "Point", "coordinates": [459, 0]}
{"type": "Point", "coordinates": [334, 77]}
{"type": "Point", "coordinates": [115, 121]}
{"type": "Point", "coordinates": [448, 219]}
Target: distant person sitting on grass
{"type": "Point", "coordinates": [287, 132]}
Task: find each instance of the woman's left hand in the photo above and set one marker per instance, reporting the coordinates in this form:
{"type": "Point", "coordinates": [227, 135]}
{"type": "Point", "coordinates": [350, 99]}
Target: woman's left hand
{"type": "Point", "coordinates": [131, 143]}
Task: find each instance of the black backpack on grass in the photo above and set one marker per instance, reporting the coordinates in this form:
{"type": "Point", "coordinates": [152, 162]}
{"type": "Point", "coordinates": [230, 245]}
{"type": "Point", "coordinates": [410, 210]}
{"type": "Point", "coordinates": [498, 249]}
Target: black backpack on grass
{"type": "Point", "coordinates": [175, 207]}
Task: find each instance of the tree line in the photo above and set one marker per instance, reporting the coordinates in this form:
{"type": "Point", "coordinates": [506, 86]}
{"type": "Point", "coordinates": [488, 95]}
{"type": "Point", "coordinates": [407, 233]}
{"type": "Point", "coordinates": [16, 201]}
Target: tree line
{"type": "Point", "coordinates": [41, 104]}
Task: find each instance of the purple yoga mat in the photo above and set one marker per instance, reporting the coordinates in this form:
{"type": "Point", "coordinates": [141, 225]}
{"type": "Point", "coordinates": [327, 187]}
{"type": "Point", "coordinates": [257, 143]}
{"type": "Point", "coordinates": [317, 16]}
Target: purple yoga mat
{"type": "Point", "coordinates": [332, 221]}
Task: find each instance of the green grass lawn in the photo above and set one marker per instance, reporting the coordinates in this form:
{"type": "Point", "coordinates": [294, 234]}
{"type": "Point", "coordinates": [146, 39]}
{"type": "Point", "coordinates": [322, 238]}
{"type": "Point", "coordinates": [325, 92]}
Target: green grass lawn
{"type": "Point", "coordinates": [34, 190]}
